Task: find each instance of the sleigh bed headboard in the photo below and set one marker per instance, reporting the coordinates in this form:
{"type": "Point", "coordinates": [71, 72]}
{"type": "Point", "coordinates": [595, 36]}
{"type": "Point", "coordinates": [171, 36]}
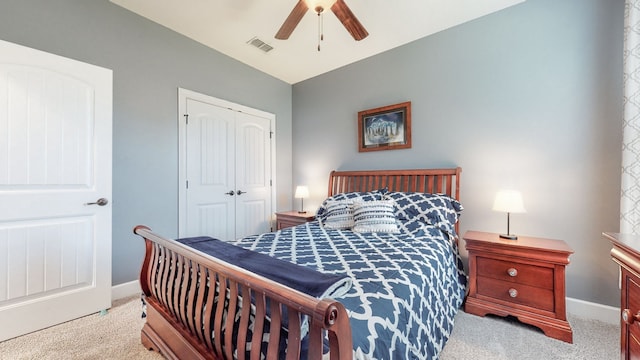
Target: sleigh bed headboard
{"type": "Point", "coordinates": [444, 181]}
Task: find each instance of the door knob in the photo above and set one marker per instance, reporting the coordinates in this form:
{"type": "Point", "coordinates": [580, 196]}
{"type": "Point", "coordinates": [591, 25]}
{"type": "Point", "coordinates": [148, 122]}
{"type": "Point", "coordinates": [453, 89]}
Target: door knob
{"type": "Point", "coordinates": [230, 193]}
{"type": "Point", "coordinates": [628, 317]}
{"type": "Point", "coordinates": [240, 192]}
{"type": "Point", "coordinates": [99, 202]}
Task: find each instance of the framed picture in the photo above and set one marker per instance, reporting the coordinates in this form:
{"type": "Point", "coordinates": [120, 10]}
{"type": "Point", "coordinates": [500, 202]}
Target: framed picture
{"type": "Point", "coordinates": [385, 128]}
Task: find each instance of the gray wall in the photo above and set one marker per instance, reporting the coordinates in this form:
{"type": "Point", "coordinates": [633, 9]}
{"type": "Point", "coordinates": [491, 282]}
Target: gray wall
{"type": "Point", "coordinates": [527, 98]}
{"type": "Point", "coordinates": [149, 63]}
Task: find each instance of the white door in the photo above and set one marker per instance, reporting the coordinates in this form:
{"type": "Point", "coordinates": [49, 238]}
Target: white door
{"type": "Point", "coordinates": [55, 158]}
{"type": "Point", "coordinates": [253, 175]}
{"type": "Point", "coordinates": [226, 161]}
{"type": "Point", "coordinates": [210, 166]}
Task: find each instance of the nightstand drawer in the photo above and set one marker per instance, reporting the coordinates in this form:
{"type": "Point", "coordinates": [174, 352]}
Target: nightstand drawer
{"type": "Point", "coordinates": [633, 300]}
{"type": "Point", "coordinates": [532, 296]}
{"type": "Point", "coordinates": [282, 224]}
{"type": "Point", "coordinates": [634, 345]}
{"type": "Point", "coordinates": [633, 304]}
{"type": "Point", "coordinates": [287, 219]}
{"type": "Point", "coordinates": [515, 272]}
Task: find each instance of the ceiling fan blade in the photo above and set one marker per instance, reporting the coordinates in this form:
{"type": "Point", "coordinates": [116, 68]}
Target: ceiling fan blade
{"type": "Point", "coordinates": [350, 22]}
{"type": "Point", "coordinates": [292, 20]}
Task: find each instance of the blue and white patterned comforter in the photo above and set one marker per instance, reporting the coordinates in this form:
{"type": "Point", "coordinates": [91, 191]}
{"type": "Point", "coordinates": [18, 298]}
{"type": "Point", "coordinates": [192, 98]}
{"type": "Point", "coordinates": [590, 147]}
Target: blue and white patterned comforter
{"type": "Point", "coordinates": [407, 287]}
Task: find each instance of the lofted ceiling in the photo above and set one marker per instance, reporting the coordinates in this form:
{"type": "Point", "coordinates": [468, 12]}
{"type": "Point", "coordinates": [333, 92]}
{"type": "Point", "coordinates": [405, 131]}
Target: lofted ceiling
{"type": "Point", "coordinates": [229, 26]}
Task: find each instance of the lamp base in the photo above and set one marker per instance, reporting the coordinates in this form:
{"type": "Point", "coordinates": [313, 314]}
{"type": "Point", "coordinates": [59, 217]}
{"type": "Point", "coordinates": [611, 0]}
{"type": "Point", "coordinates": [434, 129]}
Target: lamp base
{"type": "Point", "coordinates": [509, 236]}
{"type": "Point", "coordinates": [302, 212]}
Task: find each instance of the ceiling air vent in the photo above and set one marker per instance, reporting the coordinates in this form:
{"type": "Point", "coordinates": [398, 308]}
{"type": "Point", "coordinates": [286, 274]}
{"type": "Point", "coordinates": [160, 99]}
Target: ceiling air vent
{"type": "Point", "coordinates": [260, 44]}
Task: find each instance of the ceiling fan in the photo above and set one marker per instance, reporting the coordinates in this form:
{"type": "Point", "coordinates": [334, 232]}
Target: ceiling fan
{"type": "Point", "coordinates": [338, 7]}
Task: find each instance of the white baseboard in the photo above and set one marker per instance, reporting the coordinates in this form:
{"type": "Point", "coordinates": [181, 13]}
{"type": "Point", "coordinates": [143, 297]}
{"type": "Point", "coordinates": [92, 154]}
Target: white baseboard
{"type": "Point", "coordinates": [595, 311]}
{"type": "Point", "coordinates": [125, 290]}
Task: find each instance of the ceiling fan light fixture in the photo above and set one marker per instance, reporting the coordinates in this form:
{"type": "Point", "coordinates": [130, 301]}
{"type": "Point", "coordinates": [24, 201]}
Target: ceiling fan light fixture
{"type": "Point", "coordinates": [339, 9]}
{"type": "Point", "coordinates": [320, 4]}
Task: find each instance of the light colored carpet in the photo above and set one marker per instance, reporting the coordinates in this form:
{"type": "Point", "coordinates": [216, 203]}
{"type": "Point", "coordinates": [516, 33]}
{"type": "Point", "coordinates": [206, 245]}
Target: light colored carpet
{"type": "Point", "coordinates": [116, 335]}
{"type": "Point", "coordinates": [498, 338]}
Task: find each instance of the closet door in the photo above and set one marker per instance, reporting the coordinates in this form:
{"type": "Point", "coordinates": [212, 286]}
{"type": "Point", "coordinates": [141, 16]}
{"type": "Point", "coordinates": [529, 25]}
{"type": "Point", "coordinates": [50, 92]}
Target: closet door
{"type": "Point", "coordinates": [226, 159]}
{"type": "Point", "coordinates": [210, 169]}
{"type": "Point", "coordinates": [253, 175]}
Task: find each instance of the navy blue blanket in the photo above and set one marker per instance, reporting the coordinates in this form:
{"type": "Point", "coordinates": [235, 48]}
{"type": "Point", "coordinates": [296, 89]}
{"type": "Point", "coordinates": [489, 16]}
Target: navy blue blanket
{"type": "Point", "coordinates": [303, 279]}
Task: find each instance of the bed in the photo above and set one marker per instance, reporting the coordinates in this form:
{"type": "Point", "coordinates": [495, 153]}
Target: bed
{"type": "Point", "coordinates": [405, 274]}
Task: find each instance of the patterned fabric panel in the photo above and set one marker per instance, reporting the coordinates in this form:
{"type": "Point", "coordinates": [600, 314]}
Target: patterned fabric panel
{"type": "Point", "coordinates": [407, 287]}
{"type": "Point", "coordinates": [339, 214]}
{"type": "Point", "coordinates": [436, 209]}
{"type": "Point", "coordinates": [360, 196]}
{"type": "Point", "coordinates": [374, 216]}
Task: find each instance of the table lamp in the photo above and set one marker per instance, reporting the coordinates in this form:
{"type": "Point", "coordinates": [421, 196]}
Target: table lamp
{"type": "Point", "coordinates": [509, 201]}
{"type": "Point", "coordinates": [302, 192]}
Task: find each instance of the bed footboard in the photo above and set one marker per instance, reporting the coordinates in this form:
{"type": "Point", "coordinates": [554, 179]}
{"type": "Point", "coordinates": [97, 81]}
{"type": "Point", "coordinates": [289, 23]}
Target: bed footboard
{"type": "Point", "coordinates": [197, 308]}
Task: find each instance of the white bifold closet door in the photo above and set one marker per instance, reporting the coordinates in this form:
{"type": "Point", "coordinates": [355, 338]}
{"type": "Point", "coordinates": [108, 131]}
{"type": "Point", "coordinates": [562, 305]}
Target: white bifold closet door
{"type": "Point", "coordinates": [55, 160]}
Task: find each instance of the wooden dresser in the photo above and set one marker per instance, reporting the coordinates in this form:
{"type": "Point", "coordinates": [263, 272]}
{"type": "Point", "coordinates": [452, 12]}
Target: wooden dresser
{"type": "Point", "coordinates": [626, 253]}
{"type": "Point", "coordinates": [524, 278]}
{"type": "Point", "coordinates": [287, 219]}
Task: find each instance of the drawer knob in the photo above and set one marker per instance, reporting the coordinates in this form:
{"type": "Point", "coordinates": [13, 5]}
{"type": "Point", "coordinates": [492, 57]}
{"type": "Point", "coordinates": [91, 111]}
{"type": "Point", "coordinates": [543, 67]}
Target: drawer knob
{"type": "Point", "coordinates": [630, 318]}
{"type": "Point", "coordinates": [512, 272]}
{"type": "Point", "coordinates": [513, 292]}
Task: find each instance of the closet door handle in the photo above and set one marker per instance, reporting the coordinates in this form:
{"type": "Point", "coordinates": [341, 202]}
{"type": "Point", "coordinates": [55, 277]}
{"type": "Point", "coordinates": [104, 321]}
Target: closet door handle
{"type": "Point", "coordinates": [230, 193]}
{"type": "Point", "coordinates": [99, 202]}
{"type": "Point", "coordinates": [240, 192]}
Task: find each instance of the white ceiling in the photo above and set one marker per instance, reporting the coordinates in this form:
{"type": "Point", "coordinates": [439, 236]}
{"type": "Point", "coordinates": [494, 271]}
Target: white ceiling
{"type": "Point", "coordinates": [228, 25]}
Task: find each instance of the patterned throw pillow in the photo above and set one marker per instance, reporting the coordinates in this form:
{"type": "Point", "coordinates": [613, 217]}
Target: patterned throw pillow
{"type": "Point", "coordinates": [339, 215]}
{"type": "Point", "coordinates": [436, 209]}
{"type": "Point", "coordinates": [355, 196]}
{"type": "Point", "coordinates": [374, 216]}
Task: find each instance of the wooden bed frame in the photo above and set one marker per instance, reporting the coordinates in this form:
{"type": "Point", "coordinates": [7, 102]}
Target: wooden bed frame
{"type": "Point", "coordinates": [181, 314]}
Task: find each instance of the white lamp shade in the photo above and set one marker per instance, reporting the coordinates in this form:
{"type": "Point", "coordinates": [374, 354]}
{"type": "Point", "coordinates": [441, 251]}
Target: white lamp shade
{"type": "Point", "coordinates": [508, 201]}
{"type": "Point", "coordinates": [302, 192]}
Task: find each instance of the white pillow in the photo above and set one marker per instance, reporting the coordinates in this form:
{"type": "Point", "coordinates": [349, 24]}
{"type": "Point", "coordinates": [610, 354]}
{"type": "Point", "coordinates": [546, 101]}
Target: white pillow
{"type": "Point", "coordinates": [321, 214]}
{"type": "Point", "coordinates": [374, 216]}
{"type": "Point", "coordinates": [338, 214]}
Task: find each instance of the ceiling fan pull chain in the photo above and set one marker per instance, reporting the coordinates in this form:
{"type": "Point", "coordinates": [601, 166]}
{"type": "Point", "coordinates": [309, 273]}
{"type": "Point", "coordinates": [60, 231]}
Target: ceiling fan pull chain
{"type": "Point", "coordinates": [320, 35]}
{"type": "Point", "coordinates": [322, 26]}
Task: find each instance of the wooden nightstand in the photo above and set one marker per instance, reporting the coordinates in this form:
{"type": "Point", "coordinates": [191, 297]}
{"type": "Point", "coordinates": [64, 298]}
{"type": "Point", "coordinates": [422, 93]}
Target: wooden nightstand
{"type": "Point", "coordinates": [625, 252]}
{"type": "Point", "coordinates": [287, 219]}
{"type": "Point", "coordinates": [522, 278]}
